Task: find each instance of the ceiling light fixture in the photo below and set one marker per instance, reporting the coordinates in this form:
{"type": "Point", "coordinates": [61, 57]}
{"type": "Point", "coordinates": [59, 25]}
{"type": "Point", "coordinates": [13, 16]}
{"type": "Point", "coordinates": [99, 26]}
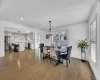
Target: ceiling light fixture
{"type": "Point", "coordinates": [50, 33]}
{"type": "Point", "coordinates": [21, 18]}
{"type": "Point", "coordinates": [27, 31]}
{"type": "Point", "coordinates": [18, 34]}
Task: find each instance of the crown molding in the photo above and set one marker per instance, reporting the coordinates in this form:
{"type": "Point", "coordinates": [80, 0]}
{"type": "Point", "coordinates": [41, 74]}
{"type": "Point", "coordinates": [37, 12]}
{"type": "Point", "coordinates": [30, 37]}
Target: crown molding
{"type": "Point", "coordinates": [63, 27]}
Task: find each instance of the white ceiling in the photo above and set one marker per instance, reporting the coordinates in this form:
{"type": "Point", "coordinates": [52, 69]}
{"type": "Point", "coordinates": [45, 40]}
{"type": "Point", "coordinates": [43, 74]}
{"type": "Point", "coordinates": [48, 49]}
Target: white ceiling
{"type": "Point", "coordinates": [37, 13]}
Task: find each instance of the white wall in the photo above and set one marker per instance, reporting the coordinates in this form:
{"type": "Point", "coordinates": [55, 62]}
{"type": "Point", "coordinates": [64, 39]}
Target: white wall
{"type": "Point", "coordinates": [98, 47]}
{"type": "Point", "coordinates": [77, 32]}
{"type": "Point", "coordinates": [95, 66]}
{"type": "Point", "coordinates": [1, 40]}
{"type": "Point", "coordinates": [47, 42]}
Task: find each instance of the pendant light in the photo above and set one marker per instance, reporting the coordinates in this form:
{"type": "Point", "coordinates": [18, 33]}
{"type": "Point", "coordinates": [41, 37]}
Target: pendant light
{"type": "Point", "coordinates": [18, 35]}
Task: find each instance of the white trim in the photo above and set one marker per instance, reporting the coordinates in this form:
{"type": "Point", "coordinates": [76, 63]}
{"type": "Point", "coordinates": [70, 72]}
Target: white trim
{"type": "Point", "coordinates": [92, 41]}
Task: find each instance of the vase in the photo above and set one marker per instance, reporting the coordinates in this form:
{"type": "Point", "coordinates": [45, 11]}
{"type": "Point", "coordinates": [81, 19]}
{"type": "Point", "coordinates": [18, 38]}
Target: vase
{"type": "Point", "coordinates": [83, 54]}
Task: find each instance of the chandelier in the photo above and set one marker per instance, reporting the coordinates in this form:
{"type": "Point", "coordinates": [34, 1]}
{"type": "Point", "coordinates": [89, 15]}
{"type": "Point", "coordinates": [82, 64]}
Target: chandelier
{"type": "Point", "coordinates": [49, 32]}
{"type": "Point", "coordinates": [18, 35]}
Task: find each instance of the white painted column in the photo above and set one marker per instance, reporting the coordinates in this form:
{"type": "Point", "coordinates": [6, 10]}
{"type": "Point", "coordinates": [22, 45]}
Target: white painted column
{"type": "Point", "coordinates": [98, 47]}
{"type": "Point", "coordinates": [37, 40]}
{"type": "Point", "coordinates": [1, 40]}
{"type": "Point", "coordinates": [33, 41]}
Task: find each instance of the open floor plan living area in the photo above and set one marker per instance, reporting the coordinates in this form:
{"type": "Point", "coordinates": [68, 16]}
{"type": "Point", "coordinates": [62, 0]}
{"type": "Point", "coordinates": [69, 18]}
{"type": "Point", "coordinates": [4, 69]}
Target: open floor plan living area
{"type": "Point", "coordinates": [49, 39]}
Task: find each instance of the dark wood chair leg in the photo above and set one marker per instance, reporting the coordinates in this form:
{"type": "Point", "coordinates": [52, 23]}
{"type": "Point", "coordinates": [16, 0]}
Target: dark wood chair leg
{"type": "Point", "coordinates": [43, 55]}
{"type": "Point", "coordinates": [67, 63]}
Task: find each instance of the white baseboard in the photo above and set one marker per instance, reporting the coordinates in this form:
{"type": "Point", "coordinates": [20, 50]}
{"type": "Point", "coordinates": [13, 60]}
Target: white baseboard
{"type": "Point", "coordinates": [76, 57]}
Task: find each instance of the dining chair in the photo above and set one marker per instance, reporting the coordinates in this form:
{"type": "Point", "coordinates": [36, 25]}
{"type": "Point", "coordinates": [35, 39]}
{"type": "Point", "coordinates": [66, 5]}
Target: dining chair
{"type": "Point", "coordinates": [66, 56]}
{"type": "Point", "coordinates": [53, 56]}
{"type": "Point", "coordinates": [45, 52]}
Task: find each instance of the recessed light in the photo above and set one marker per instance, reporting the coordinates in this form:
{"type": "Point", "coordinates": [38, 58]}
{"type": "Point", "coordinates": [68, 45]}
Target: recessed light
{"type": "Point", "coordinates": [21, 18]}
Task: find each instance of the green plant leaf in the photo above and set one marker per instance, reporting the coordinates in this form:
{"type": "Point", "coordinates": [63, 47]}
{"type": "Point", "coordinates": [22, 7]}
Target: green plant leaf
{"type": "Point", "coordinates": [83, 43]}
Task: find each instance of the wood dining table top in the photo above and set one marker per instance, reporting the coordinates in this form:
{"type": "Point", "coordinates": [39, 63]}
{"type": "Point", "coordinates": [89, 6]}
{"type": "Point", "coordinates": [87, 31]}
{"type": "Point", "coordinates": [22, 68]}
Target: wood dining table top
{"type": "Point", "coordinates": [57, 49]}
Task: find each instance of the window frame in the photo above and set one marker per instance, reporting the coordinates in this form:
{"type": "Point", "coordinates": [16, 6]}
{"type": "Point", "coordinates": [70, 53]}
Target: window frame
{"type": "Point", "coordinates": [91, 39]}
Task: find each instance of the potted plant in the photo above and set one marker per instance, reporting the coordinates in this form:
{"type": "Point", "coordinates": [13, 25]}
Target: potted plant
{"type": "Point", "coordinates": [83, 44]}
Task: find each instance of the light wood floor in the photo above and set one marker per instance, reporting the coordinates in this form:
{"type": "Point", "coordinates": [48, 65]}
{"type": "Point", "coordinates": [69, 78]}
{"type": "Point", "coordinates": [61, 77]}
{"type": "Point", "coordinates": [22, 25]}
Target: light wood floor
{"type": "Point", "coordinates": [28, 65]}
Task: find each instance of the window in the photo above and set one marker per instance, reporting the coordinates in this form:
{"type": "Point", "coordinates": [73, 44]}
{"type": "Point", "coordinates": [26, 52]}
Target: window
{"type": "Point", "coordinates": [93, 40]}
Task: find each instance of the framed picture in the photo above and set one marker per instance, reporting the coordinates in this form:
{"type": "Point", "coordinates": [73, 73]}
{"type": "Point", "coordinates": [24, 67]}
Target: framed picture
{"type": "Point", "coordinates": [62, 35]}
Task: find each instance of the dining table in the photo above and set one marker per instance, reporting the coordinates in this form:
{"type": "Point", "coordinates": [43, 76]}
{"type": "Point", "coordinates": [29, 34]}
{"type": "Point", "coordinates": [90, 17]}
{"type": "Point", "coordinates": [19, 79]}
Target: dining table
{"type": "Point", "coordinates": [58, 50]}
